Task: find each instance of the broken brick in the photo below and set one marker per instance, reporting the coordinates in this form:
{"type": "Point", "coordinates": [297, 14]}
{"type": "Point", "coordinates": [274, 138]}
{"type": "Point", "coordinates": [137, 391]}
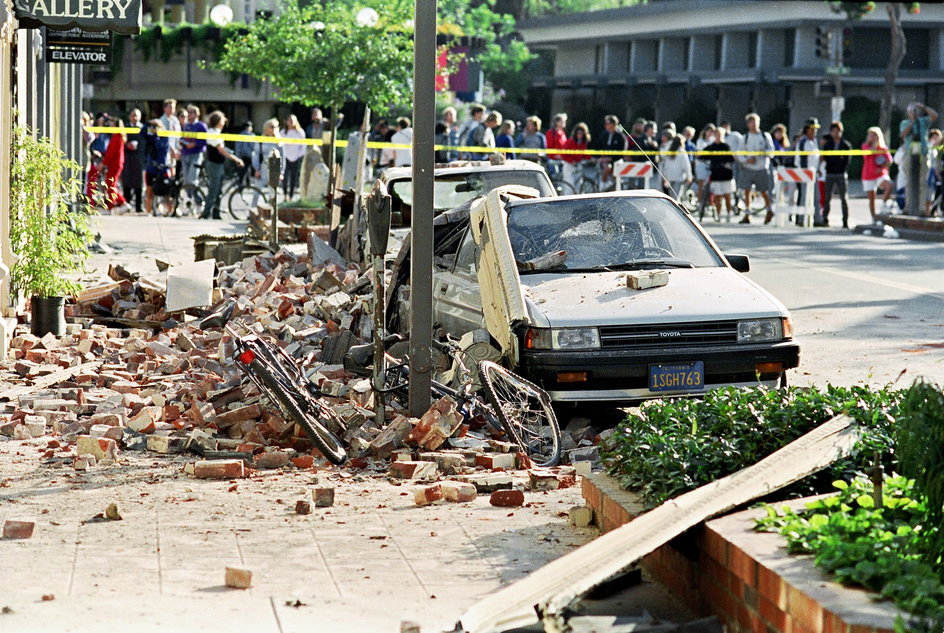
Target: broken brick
{"type": "Point", "coordinates": [18, 529]}
{"type": "Point", "coordinates": [220, 469]}
{"type": "Point", "coordinates": [238, 578]}
{"type": "Point", "coordinates": [496, 461]}
{"type": "Point", "coordinates": [323, 497]}
{"type": "Point", "coordinates": [275, 459]}
{"type": "Point", "coordinates": [507, 498]}
{"type": "Point", "coordinates": [458, 491]}
{"type": "Point", "coordinates": [100, 447]}
{"type": "Point", "coordinates": [414, 470]}
{"type": "Point", "coordinates": [427, 495]}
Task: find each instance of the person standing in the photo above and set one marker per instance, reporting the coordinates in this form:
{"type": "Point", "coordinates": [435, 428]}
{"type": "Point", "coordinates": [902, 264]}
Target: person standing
{"type": "Point", "coordinates": [316, 126]}
{"type": "Point", "coordinates": [451, 135]}
{"type": "Point", "coordinates": [836, 177]}
{"type": "Point", "coordinates": [506, 138]}
{"type": "Point", "coordinates": [483, 135]}
{"type": "Point", "coordinates": [808, 149]}
{"type": "Point", "coordinates": [171, 124]}
{"type": "Point", "coordinates": [260, 158]}
{"type": "Point", "coordinates": [532, 138]}
{"type": "Point", "coordinates": [475, 120]}
{"type": "Point", "coordinates": [579, 140]}
{"type": "Point", "coordinates": [192, 149]}
{"type": "Point", "coordinates": [755, 166]}
{"type": "Point", "coordinates": [556, 137]}
{"type": "Point", "coordinates": [377, 135]}
{"type": "Point", "coordinates": [875, 169]}
{"type": "Point", "coordinates": [294, 153]}
{"type": "Point", "coordinates": [611, 140]}
{"type": "Point", "coordinates": [217, 155]}
{"type": "Point", "coordinates": [114, 163]}
{"type": "Point", "coordinates": [400, 156]}
{"type": "Point", "coordinates": [721, 169]}
{"type": "Point", "coordinates": [132, 176]}
{"type": "Point", "coordinates": [244, 150]}
{"type": "Point", "coordinates": [156, 163]}
{"type": "Point", "coordinates": [676, 167]}
{"type": "Point", "coordinates": [914, 138]}
{"type": "Point", "coordinates": [703, 163]}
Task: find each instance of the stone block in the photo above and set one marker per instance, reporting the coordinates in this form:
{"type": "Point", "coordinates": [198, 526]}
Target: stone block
{"type": "Point", "coordinates": [580, 516]}
{"type": "Point", "coordinates": [414, 470]}
{"type": "Point", "coordinates": [496, 461]}
{"type": "Point", "coordinates": [100, 447]}
{"type": "Point", "coordinates": [238, 578]}
{"type": "Point", "coordinates": [323, 497]}
{"type": "Point", "coordinates": [18, 529]}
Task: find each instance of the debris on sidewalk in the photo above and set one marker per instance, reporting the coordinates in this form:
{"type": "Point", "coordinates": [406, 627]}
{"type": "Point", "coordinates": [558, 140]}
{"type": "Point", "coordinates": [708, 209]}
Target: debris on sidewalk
{"type": "Point", "coordinates": [18, 529]}
{"type": "Point", "coordinates": [238, 578]}
{"type": "Point", "coordinates": [160, 383]}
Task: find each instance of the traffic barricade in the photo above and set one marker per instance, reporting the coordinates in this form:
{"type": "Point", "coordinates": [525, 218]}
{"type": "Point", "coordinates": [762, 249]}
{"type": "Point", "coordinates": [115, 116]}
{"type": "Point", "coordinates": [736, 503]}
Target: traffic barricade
{"type": "Point", "coordinates": [623, 169]}
{"type": "Point", "coordinates": [783, 195]}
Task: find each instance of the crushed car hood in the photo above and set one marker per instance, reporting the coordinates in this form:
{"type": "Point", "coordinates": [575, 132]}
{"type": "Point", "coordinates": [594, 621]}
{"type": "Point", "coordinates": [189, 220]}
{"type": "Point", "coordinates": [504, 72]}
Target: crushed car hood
{"type": "Point", "coordinates": [692, 294]}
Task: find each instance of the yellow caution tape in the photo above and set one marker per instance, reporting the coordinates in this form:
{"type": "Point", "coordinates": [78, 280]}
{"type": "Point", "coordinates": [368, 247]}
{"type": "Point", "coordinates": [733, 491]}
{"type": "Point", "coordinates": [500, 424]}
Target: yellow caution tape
{"type": "Point", "coordinates": [249, 138]}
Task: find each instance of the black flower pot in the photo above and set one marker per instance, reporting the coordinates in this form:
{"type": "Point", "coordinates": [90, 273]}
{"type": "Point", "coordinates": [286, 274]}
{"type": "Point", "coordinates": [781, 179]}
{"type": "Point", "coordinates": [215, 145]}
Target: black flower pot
{"type": "Point", "coordinates": [48, 315]}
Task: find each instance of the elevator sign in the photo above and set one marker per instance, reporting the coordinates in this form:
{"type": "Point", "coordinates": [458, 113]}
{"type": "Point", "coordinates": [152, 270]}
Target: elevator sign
{"type": "Point", "coordinates": [76, 46]}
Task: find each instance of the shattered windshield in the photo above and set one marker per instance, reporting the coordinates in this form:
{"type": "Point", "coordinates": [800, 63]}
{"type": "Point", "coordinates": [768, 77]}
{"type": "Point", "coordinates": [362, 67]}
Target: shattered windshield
{"type": "Point", "coordinates": [613, 233]}
{"type": "Point", "coordinates": [452, 190]}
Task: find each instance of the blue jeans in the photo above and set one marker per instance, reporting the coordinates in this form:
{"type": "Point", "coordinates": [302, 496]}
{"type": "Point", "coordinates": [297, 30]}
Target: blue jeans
{"type": "Point", "coordinates": [189, 164]}
{"type": "Point", "coordinates": [214, 173]}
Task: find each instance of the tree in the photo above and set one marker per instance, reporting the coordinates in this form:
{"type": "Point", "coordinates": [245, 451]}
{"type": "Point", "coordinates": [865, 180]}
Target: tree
{"type": "Point", "coordinates": [326, 53]}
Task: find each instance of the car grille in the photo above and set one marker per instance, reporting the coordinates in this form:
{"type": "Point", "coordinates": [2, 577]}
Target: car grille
{"type": "Point", "coordinates": [668, 335]}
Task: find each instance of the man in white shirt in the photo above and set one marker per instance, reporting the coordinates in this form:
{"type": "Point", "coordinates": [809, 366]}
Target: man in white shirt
{"type": "Point", "coordinates": [754, 169]}
{"type": "Point", "coordinates": [808, 143]}
{"type": "Point", "coordinates": [399, 157]}
{"type": "Point", "coordinates": [172, 124]}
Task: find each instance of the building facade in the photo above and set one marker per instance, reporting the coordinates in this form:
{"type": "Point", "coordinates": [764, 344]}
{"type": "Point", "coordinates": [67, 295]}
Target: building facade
{"type": "Point", "coordinates": [695, 61]}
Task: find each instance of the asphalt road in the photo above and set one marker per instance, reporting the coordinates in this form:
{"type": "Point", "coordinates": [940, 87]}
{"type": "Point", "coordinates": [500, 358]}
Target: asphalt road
{"type": "Point", "coordinates": [864, 308]}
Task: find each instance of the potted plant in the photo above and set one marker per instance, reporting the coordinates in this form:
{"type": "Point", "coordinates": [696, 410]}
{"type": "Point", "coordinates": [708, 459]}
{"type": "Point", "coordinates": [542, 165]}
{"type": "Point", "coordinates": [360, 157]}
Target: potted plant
{"type": "Point", "coordinates": [49, 228]}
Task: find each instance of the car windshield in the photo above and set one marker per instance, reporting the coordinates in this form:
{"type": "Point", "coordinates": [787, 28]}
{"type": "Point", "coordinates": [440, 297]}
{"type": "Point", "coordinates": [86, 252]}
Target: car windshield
{"type": "Point", "coordinates": [451, 190]}
{"type": "Point", "coordinates": [610, 233]}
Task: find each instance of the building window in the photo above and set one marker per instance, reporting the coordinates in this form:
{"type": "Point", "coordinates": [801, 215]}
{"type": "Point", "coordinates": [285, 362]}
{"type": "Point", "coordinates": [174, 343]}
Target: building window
{"type": "Point", "coordinates": [686, 53]}
{"type": "Point", "coordinates": [719, 49]}
{"type": "Point", "coordinates": [658, 60]}
{"type": "Point", "coordinates": [599, 63]}
{"type": "Point", "coordinates": [789, 47]}
{"type": "Point", "coordinates": [629, 56]}
{"type": "Point", "coordinates": [752, 50]}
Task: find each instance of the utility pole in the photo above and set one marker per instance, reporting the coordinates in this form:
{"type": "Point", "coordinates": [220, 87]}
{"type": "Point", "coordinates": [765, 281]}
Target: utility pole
{"type": "Point", "coordinates": [421, 225]}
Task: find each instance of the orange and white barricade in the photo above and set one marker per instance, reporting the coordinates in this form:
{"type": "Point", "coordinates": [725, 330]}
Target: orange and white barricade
{"type": "Point", "coordinates": [783, 204]}
{"type": "Point", "coordinates": [623, 169]}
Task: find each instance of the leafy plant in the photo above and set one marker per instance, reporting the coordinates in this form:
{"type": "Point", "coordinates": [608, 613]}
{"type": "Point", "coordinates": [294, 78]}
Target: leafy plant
{"type": "Point", "coordinates": [879, 549]}
{"type": "Point", "coordinates": [673, 446]}
{"type": "Point", "coordinates": [49, 227]}
{"type": "Point", "coordinates": [920, 446]}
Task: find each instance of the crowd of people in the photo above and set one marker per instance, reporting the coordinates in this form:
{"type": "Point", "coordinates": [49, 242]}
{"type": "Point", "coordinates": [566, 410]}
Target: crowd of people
{"type": "Point", "coordinates": [136, 159]}
{"type": "Point", "coordinates": [722, 162]}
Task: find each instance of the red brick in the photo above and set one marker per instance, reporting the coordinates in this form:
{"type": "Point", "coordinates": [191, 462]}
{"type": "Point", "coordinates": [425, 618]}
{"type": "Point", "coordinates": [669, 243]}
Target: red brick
{"type": "Point", "coordinates": [804, 610]}
{"type": "Point", "coordinates": [303, 461]}
{"type": "Point", "coordinates": [428, 495]}
{"type": "Point", "coordinates": [832, 623]}
{"type": "Point", "coordinates": [459, 491]}
{"type": "Point", "coordinates": [302, 507]}
{"type": "Point", "coordinates": [507, 498]}
{"type": "Point", "coordinates": [251, 412]}
{"type": "Point", "coordinates": [495, 461]}
{"type": "Point", "coordinates": [775, 617]}
{"type": "Point", "coordinates": [414, 470]}
{"type": "Point", "coordinates": [324, 497]}
{"type": "Point", "coordinates": [771, 586]}
{"type": "Point", "coordinates": [714, 545]}
{"type": "Point", "coordinates": [742, 565]}
{"type": "Point", "coordinates": [275, 459]}
{"type": "Point", "coordinates": [220, 469]}
{"type": "Point", "coordinates": [238, 578]}
{"type": "Point", "coordinates": [18, 529]}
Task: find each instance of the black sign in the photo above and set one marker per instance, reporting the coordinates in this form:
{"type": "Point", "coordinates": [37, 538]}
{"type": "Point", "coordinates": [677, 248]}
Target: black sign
{"type": "Point", "coordinates": [76, 46]}
{"type": "Point", "coordinates": [122, 16]}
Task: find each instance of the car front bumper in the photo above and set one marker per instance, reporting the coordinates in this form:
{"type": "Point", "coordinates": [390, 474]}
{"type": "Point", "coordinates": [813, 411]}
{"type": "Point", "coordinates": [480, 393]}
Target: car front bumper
{"type": "Point", "coordinates": [623, 375]}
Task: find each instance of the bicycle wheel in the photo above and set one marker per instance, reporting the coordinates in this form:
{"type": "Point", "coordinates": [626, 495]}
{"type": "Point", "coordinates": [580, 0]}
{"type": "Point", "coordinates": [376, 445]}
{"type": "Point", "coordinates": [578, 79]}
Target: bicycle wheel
{"type": "Point", "coordinates": [586, 185]}
{"type": "Point", "coordinates": [564, 188]}
{"type": "Point", "coordinates": [190, 201]}
{"type": "Point", "coordinates": [525, 412]}
{"type": "Point", "coordinates": [326, 442]}
{"type": "Point", "coordinates": [241, 199]}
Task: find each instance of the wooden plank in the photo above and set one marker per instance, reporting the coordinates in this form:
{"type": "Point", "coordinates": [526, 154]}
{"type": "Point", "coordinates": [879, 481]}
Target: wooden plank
{"type": "Point", "coordinates": [550, 589]}
{"type": "Point", "coordinates": [48, 380]}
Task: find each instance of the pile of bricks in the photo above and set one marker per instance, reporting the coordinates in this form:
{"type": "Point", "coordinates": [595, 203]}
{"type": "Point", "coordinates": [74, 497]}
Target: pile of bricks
{"type": "Point", "coordinates": [99, 391]}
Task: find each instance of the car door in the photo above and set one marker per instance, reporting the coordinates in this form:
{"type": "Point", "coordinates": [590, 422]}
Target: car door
{"type": "Point", "coordinates": [457, 301]}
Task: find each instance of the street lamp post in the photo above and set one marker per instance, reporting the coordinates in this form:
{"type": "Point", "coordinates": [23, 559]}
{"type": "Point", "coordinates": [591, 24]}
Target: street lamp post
{"type": "Point", "coordinates": [421, 244]}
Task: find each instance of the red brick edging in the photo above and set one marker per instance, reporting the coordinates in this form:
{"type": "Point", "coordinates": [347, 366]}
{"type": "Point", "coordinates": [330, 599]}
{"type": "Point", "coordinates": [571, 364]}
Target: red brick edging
{"type": "Point", "coordinates": [746, 578]}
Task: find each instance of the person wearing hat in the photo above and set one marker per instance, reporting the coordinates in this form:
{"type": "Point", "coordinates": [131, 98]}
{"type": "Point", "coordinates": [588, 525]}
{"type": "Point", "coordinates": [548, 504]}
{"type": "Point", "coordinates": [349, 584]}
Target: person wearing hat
{"type": "Point", "coordinates": [808, 149]}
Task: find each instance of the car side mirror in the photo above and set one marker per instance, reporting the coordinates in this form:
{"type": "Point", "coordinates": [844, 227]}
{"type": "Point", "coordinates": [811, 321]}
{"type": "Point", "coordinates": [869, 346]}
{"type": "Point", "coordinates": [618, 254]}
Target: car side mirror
{"type": "Point", "coordinates": [740, 263]}
{"type": "Point", "coordinates": [378, 218]}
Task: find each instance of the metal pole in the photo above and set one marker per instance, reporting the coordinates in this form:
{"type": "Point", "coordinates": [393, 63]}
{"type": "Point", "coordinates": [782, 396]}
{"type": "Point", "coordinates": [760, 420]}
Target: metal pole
{"type": "Point", "coordinates": [421, 255]}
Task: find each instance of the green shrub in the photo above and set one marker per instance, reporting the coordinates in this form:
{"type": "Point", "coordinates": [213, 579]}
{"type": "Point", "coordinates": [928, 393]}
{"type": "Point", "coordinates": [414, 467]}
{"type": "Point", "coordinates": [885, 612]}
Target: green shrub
{"type": "Point", "coordinates": [674, 446]}
{"type": "Point", "coordinates": [879, 549]}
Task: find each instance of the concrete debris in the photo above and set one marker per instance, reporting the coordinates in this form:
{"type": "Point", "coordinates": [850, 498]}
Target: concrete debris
{"type": "Point", "coordinates": [581, 516]}
{"type": "Point", "coordinates": [238, 578]}
{"type": "Point", "coordinates": [111, 512]}
{"type": "Point", "coordinates": [302, 507]}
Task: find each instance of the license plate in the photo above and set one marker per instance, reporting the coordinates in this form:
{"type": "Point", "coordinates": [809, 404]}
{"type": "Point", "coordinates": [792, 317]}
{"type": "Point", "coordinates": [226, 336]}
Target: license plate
{"type": "Point", "coordinates": [677, 376]}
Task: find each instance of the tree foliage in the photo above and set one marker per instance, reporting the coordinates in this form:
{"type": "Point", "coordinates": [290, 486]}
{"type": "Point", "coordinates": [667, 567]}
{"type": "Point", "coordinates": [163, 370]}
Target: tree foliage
{"type": "Point", "coordinates": [316, 53]}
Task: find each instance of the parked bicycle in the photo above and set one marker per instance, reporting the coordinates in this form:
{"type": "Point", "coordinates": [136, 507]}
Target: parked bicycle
{"type": "Point", "coordinates": [555, 171]}
{"type": "Point", "coordinates": [516, 406]}
{"type": "Point", "coordinates": [588, 180]}
{"type": "Point", "coordinates": [239, 193]}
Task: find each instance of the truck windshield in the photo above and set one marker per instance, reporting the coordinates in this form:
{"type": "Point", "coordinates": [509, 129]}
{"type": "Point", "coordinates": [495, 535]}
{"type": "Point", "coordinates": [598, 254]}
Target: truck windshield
{"type": "Point", "coordinates": [605, 234]}
{"type": "Point", "coordinates": [452, 190]}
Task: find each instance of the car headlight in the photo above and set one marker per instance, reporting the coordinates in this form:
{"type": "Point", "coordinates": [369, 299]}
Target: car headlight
{"type": "Point", "coordinates": [562, 338]}
{"type": "Point", "coordinates": [760, 330]}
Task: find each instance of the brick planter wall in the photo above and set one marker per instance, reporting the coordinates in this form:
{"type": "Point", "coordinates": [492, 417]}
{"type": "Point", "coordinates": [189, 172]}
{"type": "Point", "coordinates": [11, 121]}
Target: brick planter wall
{"type": "Point", "coordinates": [746, 578]}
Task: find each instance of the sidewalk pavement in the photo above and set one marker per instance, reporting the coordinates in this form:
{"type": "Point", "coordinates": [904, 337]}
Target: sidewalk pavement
{"type": "Point", "coordinates": [372, 560]}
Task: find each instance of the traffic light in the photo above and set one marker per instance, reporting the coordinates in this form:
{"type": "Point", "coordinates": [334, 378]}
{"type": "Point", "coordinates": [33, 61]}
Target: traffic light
{"type": "Point", "coordinates": [824, 41]}
{"type": "Point", "coordinates": [846, 43]}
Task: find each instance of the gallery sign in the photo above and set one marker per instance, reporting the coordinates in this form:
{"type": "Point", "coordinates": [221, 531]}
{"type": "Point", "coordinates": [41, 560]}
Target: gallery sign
{"type": "Point", "coordinates": [121, 16]}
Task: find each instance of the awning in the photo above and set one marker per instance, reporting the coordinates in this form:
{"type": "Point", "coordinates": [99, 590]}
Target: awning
{"type": "Point", "coordinates": [121, 16]}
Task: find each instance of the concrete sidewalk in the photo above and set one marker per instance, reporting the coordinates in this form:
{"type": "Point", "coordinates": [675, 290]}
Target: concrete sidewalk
{"type": "Point", "coordinates": [366, 564]}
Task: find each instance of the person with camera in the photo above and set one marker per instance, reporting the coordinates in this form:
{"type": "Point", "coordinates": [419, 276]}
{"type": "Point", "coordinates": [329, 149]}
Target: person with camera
{"type": "Point", "coordinates": [914, 139]}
